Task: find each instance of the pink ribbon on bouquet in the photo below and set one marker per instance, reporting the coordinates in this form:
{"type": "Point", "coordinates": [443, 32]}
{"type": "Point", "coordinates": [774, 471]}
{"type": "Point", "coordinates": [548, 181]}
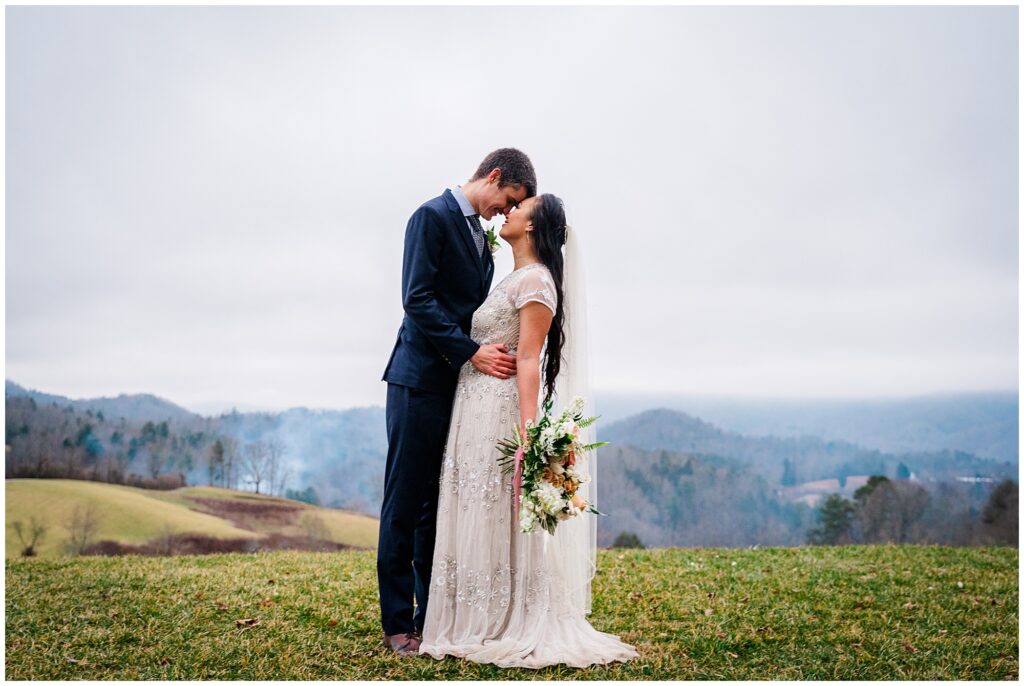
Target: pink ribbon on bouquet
{"type": "Point", "coordinates": [517, 477]}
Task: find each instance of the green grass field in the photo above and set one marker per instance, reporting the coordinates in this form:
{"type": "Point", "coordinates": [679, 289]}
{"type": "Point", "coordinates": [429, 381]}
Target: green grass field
{"type": "Point", "coordinates": [829, 613]}
{"type": "Point", "coordinates": [135, 515]}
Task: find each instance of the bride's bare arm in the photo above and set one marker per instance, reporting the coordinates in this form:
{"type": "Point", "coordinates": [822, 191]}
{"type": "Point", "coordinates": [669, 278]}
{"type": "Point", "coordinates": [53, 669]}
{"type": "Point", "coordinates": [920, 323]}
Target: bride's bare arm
{"type": "Point", "coordinates": [534, 322]}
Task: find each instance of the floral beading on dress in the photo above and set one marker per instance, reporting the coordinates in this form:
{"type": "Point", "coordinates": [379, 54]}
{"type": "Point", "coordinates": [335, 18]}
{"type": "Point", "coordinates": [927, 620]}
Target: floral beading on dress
{"type": "Point", "coordinates": [496, 594]}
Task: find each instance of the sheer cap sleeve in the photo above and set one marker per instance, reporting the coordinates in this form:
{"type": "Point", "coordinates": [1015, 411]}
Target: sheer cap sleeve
{"type": "Point", "coordinates": [534, 285]}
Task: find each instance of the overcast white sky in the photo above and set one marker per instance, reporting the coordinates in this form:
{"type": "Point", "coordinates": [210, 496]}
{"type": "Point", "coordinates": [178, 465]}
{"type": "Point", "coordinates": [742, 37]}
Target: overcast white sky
{"type": "Point", "coordinates": [208, 204]}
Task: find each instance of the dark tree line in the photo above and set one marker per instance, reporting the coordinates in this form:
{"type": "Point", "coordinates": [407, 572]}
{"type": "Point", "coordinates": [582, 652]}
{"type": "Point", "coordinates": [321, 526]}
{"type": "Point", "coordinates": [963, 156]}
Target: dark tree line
{"type": "Point", "coordinates": [885, 511]}
{"type": "Point", "coordinates": [671, 499]}
{"type": "Point", "coordinates": [53, 441]}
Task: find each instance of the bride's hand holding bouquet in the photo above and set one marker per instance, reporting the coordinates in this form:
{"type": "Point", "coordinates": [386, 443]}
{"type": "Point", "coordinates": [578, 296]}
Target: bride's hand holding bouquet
{"type": "Point", "coordinates": [542, 456]}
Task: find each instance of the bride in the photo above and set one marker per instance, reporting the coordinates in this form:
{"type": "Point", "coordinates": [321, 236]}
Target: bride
{"type": "Point", "coordinates": [500, 596]}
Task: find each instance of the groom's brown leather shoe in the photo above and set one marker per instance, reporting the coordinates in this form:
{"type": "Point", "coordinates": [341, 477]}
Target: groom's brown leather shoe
{"type": "Point", "coordinates": [403, 644]}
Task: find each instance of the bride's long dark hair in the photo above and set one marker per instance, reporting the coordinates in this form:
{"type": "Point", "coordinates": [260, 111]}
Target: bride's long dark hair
{"type": "Point", "coordinates": [548, 219]}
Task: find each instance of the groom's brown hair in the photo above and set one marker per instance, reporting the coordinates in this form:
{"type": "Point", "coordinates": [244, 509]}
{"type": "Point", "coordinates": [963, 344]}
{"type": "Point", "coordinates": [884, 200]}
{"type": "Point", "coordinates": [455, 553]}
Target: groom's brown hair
{"type": "Point", "coordinates": [516, 169]}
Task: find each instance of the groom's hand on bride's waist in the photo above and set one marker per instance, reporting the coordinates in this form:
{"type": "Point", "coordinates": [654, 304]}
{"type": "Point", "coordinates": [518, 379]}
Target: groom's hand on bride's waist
{"type": "Point", "coordinates": [494, 359]}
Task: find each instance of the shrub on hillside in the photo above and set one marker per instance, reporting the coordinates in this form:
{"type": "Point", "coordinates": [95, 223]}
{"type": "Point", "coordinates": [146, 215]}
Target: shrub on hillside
{"type": "Point", "coordinates": [31, 536]}
{"type": "Point", "coordinates": [82, 526]}
{"type": "Point", "coordinates": [627, 539]}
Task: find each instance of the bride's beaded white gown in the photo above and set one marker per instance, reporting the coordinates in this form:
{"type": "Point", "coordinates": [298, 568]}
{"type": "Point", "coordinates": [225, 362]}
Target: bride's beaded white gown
{"type": "Point", "coordinates": [496, 594]}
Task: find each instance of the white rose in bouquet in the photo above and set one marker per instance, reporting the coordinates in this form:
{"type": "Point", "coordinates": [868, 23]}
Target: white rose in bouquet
{"type": "Point", "coordinates": [548, 497]}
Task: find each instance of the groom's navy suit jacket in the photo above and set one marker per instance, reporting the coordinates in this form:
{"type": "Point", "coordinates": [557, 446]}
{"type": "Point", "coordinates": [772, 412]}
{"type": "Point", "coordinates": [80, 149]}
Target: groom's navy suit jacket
{"type": "Point", "coordinates": [444, 280]}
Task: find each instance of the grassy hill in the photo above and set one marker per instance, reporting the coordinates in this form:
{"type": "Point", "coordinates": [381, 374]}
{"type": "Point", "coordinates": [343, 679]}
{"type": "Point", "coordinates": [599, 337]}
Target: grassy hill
{"type": "Point", "coordinates": [829, 613]}
{"type": "Point", "coordinates": [134, 516]}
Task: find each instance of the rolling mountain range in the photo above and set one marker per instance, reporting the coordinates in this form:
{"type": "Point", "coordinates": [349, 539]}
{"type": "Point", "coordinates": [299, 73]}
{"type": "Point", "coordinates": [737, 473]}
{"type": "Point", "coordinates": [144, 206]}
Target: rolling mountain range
{"type": "Point", "coordinates": [139, 406]}
{"type": "Point", "coordinates": [983, 424]}
{"type": "Point", "coordinates": [672, 476]}
{"type": "Point", "coordinates": [811, 457]}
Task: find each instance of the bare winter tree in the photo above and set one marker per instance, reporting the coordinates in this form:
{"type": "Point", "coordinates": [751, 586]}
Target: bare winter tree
{"type": "Point", "coordinates": [946, 521]}
{"type": "Point", "coordinates": [43, 451]}
{"type": "Point", "coordinates": [31, 537]}
{"type": "Point", "coordinates": [257, 462]}
{"type": "Point", "coordinates": [52, 451]}
{"type": "Point", "coordinates": [156, 439]}
{"type": "Point", "coordinates": [104, 469]}
{"type": "Point", "coordinates": [82, 526]}
{"type": "Point", "coordinates": [232, 462]}
{"type": "Point", "coordinates": [72, 458]}
{"type": "Point", "coordinates": [123, 460]}
{"type": "Point", "coordinates": [154, 461]}
{"type": "Point", "coordinates": [275, 453]}
{"type": "Point", "coordinates": [891, 512]}
{"type": "Point", "coordinates": [39, 452]}
{"type": "Point", "coordinates": [286, 475]}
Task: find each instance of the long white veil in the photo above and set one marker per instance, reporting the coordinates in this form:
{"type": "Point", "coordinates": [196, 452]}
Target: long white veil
{"type": "Point", "coordinates": [576, 537]}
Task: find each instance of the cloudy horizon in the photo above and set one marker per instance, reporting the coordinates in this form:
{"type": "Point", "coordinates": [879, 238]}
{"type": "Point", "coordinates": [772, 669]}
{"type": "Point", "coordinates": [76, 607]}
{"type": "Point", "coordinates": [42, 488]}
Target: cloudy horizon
{"type": "Point", "coordinates": [208, 203]}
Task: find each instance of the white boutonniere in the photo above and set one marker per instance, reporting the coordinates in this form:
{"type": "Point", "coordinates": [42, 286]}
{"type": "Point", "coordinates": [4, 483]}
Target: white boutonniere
{"type": "Point", "coordinates": [492, 240]}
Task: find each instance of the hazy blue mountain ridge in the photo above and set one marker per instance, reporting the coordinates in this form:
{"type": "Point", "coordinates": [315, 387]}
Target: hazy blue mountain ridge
{"type": "Point", "coordinates": [137, 406]}
{"type": "Point", "coordinates": [983, 423]}
{"type": "Point", "coordinates": [811, 457]}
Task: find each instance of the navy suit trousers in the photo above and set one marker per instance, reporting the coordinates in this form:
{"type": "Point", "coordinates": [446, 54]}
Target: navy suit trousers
{"type": "Point", "coordinates": [417, 426]}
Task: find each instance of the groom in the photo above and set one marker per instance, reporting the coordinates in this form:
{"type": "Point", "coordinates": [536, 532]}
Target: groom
{"type": "Point", "coordinates": [446, 274]}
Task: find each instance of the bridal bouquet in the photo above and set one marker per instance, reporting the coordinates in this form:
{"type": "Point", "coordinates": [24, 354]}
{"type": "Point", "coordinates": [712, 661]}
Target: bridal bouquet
{"type": "Point", "coordinates": [543, 463]}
